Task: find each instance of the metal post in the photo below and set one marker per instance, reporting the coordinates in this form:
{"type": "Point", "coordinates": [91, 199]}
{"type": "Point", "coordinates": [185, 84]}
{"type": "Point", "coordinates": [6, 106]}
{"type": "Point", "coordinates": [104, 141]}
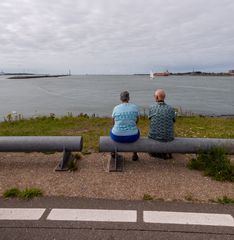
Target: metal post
{"type": "Point", "coordinates": [63, 165]}
{"type": "Point", "coordinates": [115, 164]}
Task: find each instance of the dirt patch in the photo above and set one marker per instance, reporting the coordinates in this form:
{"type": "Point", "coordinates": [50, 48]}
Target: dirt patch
{"type": "Point", "coordinates": [166, 179]}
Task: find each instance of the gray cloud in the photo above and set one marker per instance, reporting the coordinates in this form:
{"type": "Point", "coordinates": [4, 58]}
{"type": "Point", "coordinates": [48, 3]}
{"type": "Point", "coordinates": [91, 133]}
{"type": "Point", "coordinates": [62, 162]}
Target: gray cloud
{"type": "Point", "coordinates": [104, 36]}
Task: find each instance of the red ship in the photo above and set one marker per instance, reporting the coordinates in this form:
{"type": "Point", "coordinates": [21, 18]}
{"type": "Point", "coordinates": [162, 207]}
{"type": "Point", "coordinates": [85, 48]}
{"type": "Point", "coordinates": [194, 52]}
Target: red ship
{"type": "Point", "coordinates": [162, 74]}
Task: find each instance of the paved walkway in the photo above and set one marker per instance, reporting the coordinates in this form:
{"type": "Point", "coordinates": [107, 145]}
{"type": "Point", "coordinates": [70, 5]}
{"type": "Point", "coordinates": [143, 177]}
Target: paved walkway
{"type": "Point", "coordinates": [74, 218]}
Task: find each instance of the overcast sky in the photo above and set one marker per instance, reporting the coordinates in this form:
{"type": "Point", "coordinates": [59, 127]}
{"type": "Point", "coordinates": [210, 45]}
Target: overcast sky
{"type": "Point", "coordinates": [116, 36]}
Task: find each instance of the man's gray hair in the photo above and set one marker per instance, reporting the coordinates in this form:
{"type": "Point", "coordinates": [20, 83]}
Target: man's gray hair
{"type": "Point", "coordinates": [124, 96]}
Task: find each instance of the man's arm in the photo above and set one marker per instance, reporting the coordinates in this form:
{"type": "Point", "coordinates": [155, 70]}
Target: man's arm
{"type": "Point", "coordinates": [173, 115]}
{"type": "Point", "coordinates": [150, 113]}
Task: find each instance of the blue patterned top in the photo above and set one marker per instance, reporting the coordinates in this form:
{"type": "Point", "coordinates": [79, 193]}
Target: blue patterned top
{"type": "Point", "coordinates": [125, 116]}
{"type": "Point", "coordinates": [162, 118]}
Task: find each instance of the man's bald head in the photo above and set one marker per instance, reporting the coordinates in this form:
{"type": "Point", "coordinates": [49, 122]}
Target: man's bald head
{"type": "Point", "coordinates": [159, 95]}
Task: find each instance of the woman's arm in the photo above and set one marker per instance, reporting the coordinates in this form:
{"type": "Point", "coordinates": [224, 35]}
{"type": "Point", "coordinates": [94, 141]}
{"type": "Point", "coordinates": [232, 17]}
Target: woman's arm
{"type": "Point", "coordinates": [137, 120]}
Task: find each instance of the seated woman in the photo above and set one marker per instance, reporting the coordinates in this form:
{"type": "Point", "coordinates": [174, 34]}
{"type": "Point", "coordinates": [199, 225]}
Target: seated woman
{"type": "Point", "coordinates": [125, 117]}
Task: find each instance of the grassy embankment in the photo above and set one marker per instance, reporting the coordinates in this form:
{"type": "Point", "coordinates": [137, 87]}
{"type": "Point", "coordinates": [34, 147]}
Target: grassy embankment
{"type": "Point", "coordinates": [93, 127]}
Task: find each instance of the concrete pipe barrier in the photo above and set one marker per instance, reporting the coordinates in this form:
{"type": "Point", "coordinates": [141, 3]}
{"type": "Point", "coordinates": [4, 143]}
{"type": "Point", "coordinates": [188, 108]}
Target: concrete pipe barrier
{"type": "Point", "coordinates": [65, 144]}
{"type": "Point", "coordinates": [179, 145]}
{"type": "Point", "coordinates": [41, 144]}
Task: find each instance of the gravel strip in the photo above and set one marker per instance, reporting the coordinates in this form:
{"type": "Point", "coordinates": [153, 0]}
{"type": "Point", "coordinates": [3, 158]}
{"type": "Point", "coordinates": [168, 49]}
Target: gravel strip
{"type": "Point", "coordinates": [162, 179]}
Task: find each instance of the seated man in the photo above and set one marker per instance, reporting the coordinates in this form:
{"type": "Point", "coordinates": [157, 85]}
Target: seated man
{"type": "Point", "coordinates": [125, 117]}
{"type": "Point", "coordinates": [162, 118]}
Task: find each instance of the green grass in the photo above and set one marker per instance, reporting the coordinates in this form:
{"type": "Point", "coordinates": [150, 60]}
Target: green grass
{"type": "Point", "coordinates": [214, 163]}
{"type": "Point", "coordinates": [205, 127]}
{"type": "Point", "coordinates": [25, 194]}
{"type": "Point", "coordinates": [93, 127]}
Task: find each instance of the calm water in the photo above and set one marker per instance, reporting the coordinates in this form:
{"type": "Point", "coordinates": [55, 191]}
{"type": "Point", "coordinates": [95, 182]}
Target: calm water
{"type": "Point", "coordinates": [99, 94]}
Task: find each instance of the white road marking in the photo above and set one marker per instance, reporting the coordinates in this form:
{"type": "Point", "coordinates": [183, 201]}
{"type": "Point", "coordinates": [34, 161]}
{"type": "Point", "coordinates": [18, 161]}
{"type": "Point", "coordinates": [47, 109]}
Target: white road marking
{"type": "Point", "coordinates": [21, 213]}
{"type": "Point", "coordinates": [188, 218]}
{"type": "Point", "coordinates": [104, 215]}
{"type": "Point", "coordinates": [93, 215]}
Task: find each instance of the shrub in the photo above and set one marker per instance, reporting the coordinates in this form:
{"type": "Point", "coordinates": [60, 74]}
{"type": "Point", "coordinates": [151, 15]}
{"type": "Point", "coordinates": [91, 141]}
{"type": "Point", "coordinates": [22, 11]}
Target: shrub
{"type": "Point", "coordinates": [214, 163]}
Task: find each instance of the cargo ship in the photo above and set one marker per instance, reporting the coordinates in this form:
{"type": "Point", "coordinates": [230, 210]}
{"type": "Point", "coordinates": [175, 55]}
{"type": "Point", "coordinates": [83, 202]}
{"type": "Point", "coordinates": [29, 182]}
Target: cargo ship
{"type": "Point", "coordinates": [159, 74]}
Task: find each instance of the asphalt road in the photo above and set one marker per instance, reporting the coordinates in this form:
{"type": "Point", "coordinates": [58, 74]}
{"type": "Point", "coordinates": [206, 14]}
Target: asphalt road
{"type": "Point", "coordinates": [101, 220]}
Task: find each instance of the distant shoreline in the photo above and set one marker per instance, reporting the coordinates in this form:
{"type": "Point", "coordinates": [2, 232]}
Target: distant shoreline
{"type": "Point", "coordinates": [192, 74]}
{"type": "Point", "coordinates": [20, 75]}
{"type": "Point", "coordinates": [37, 76]}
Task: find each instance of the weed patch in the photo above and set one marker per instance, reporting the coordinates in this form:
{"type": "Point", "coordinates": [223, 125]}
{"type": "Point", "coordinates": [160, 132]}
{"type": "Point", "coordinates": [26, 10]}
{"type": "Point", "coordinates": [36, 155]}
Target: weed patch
{"type": "Point", "coordinates": [223, 200]}
{"type": "Point", "coordinates": [189, 197]}
{"type": "Point", "coordinates": [25, 194]}
{"type": "Point", "coordinates": [11, 193]}
{"type": "Point", "coordinates": [77, 156]}
{"type": "Point", "coordinates": [72, 165]}
{"type": "Point", "coordinates": [147, 197]}
{"type": "Point", "coordinates": [30, 193]}
{"type": "Point", "coordinates": [226, 200]}
{"type": "Point", "coordinates": [214, 163]}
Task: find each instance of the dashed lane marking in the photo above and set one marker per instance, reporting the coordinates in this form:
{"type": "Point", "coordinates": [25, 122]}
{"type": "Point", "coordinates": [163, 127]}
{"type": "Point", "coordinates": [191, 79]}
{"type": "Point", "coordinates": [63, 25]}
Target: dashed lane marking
{"type": "Point", "coordinates": [97, 215]}
{"type": "Point", "coordinates": [21, 213]}
{"type": "Point", "coordinates": [188, 218]}
{"type": "Point", "coordinates": [104, 215]}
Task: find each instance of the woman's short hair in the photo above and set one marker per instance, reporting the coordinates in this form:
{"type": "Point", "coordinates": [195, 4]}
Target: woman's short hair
{"type": "Point", "coordinates": [124, 96]}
